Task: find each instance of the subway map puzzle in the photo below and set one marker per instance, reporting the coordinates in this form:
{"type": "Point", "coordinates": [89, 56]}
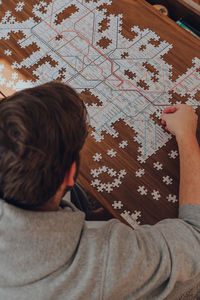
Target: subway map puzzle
{"type": "Point", "coordinates": [130, 78]}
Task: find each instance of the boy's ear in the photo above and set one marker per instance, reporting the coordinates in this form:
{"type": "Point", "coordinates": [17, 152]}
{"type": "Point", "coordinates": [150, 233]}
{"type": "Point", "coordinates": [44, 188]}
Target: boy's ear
{"type": "Point", "coordinates": [69, 177]}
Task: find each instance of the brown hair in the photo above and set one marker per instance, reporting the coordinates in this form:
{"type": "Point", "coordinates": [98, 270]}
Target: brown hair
{"type": "Point", "coordinates": [42, 131]}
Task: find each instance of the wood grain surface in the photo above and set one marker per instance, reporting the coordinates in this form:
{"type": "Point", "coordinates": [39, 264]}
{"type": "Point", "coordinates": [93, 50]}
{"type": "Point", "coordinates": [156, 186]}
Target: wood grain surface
{"type": "Point", "coordinates": [197, 1]}
{"type": "Point", "coordinates": [185, 48]}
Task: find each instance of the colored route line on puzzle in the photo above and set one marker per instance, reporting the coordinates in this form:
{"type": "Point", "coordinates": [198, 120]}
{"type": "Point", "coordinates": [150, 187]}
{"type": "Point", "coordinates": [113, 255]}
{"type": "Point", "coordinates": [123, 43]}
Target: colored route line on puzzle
{"type": "Point", "coordinates": [112, 70]}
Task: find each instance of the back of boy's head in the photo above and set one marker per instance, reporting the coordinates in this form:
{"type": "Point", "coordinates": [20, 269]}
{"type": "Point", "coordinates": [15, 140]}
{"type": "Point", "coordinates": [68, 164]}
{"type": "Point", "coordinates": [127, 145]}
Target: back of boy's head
{"type": "Point", "coordinates": [42, 131]}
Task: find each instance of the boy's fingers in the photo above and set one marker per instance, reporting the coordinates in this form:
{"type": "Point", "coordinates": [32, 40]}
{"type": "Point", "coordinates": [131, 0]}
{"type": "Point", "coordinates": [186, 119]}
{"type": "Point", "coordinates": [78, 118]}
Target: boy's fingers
{"type": "Point", "coordinates": [163, 122]}
{"type": "Point", "coordinates": [163, 117]}
{"type": "Point", "coordinates": [169, 109]}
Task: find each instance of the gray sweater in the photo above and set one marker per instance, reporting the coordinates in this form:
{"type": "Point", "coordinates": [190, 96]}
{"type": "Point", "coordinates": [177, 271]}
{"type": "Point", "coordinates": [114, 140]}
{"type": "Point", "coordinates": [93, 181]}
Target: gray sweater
{"type": "Point", "coordinates": [54, 255]}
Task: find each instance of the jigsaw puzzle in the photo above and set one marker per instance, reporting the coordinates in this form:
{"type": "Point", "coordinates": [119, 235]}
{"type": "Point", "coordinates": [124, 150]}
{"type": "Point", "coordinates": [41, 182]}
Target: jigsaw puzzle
{"type": "Point", "coordinates": [130, 78]}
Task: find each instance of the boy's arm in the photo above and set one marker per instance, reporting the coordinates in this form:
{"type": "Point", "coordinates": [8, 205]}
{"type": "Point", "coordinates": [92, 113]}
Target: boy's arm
{"type": "Point", "coordinates": [189, 191]}
{"type": "Point", "coordinates": [149, 262]}
{"type": "Point", "coordinates": [153, 262]}
{"type": "Point", "coordinates": [181, 121]}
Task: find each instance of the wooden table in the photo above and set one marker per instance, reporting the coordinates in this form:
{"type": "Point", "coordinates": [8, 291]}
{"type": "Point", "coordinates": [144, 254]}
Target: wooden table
{"type": "Point", "coordinates": [128, 201]}
{"type": "Point", "coordinates": [185, 47]}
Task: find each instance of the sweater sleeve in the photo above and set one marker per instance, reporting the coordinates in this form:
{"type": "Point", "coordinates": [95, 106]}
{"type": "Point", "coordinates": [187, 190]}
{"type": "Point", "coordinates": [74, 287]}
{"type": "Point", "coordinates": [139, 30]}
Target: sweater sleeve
{"type": "Point", "coordinates": [146, 263]}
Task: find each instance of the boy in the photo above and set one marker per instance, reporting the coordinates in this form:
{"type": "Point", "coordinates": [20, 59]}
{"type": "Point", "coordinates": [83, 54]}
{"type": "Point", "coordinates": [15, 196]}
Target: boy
{"type": "Point", "coordinates": [47, 250]}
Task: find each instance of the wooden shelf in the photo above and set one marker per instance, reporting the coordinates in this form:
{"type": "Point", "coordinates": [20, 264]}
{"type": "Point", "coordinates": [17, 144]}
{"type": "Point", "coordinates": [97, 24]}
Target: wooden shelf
{"type": "Point", "coordinates": [194, 3]}
{"type": "Point", "coordinates": [188, 10]}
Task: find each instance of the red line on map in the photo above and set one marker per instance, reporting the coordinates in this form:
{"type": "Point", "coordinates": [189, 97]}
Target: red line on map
{"type": "Point", "coordinates": [110, 61]}
{"type": "Point", "coordinates": [51, 12]}
{"type": "Point", "coordinates": [196, 77]}
{"type": "Point", "coordinates": [183, 79]}
{"type": "Point", "coordinates": [190, 91]}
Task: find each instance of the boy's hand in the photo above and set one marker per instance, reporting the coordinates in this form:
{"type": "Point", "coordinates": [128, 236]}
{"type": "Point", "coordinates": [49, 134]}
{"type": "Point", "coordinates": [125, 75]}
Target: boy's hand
{"type": "Point", "coordinates": [180, 120]}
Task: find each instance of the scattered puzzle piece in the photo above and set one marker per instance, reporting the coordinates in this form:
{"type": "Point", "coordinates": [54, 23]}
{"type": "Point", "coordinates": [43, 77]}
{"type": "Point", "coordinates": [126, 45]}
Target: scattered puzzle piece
{"type": "Point", "coordinates": [112, 172]}
{"type": "Point", "coordinates": [139, 172]}
{"type": "Point", "coordinates": [20, 6]}
{"type": "Point", "coordinates": [123, 144]}
{"type": "Point", "coordinates": [95, 172]}
{"type": "Point", "coordinates": [122, 173]}
{"type": "Point", "coordinates": [112, 153]}
{"type": "Point", "coordinates": [109, 187]}
{"type": "Point", "coordinates": [97, 157]}
{"type": "Point", "coordinates": [103, 169]}
{"type": "Point", "coordinates": [172, 198]}
{"type": "Point", "coordinates": [116, 182]}
{"type": "Point", "coordinates": [8, 52]}
{"type": "Point", "coordinates": [95, 182]}
{"type": "Point", "coordinates": [142, 190]}
{"type": "Point", "coordinates": [101, 187]}
{"type": "Point", "coordinates": [173, 154]}
{"type": "Point", "coordinates": [156, 195]}
{"type": "Point", "coordinates": [167, 180]}
{"type": "Point", "coordinates": [158, 166]}
{"type": "Point", "coordinates": [117, 204]}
